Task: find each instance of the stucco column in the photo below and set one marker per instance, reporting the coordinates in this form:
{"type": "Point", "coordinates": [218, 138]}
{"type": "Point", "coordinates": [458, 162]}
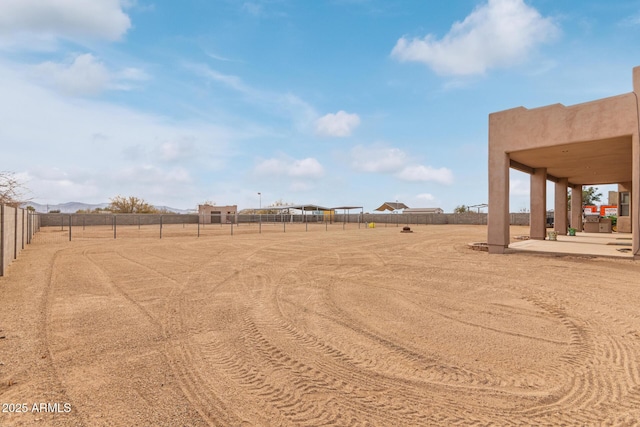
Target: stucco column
{"type": "Point", "coordinates": [498, 220]}
{"type": "Point", "coordinates": [560, 206]}
{"type": "Point", "coordinates": [576, 207]}
{"type": "Point", "coordinates": [635, 194]}
{"type": "Point", "coordinates": [538, 203]}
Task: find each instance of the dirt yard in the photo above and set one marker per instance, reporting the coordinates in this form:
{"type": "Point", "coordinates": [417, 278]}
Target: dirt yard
{"type": "Point", "coordinates": [357, 327]}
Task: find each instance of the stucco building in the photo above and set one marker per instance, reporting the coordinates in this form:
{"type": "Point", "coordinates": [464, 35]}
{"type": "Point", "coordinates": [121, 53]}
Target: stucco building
{"type": "Point", "coordinates": [593, 143]}
{"type": "Point", "coordinates": [213, 214]}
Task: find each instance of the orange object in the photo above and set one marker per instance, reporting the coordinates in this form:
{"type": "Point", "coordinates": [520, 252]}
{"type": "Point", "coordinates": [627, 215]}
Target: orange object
{"type": "Point", "coordinates": [590, 210]}
{"type": "Point", "coordinates": [609, 210]}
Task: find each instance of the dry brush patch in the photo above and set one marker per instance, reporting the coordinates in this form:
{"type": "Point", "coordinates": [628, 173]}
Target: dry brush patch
{"type": "Point", "coordinates": [361, 327]}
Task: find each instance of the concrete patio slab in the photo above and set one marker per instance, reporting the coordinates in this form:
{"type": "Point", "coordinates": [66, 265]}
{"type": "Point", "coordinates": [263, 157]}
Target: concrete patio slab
{"type": "Point", "coordinates": [589, 244]}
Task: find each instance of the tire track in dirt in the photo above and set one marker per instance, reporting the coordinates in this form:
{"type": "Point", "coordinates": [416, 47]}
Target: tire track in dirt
{"type": "Point", "coordinates": [284, 397]}
{"type": "Point", "coordinates": [50, 359]}
{"type": "Point", "coordinates": [410, 355]}
{"type": "Point", "coordinates": [586, 390]}
{"type": "Point", "coordinates": [277, 346]}
{"type": "Point", "coordinates": [303, 379]}
{"type": "Point", "coordinates": [177, 352]}
{"type": "Point", "coordinates": [195, 356]}
{"type": "Point", "coordinates": [386, 383]}
{"type": "Point", "coordinates": [600, 368]}
{"type": "Point", "coordinates": [581, 368]}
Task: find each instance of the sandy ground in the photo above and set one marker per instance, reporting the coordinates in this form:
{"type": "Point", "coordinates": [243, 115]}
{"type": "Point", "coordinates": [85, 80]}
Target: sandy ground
{"type": "Point", "coordinates": [355, 327]}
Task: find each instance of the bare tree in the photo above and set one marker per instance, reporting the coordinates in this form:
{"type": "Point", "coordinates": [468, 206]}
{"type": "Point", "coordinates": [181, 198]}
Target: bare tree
{"type": "Point", "coordinates": [12, 190]}
{"type": "Point", "coordinates": [131, 204]}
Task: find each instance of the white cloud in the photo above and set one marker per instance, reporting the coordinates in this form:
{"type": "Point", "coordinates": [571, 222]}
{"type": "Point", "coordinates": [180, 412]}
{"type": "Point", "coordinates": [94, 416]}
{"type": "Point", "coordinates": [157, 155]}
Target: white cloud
{"type": "Point", "coordinates": [86, 75]}
{"type": "Point", "coordinates": [154, 175]}
{"type": "Point", "coordinates": [518, 187]}
{"type": "Point", "coordinates": [381, 159]}
{"type": "Point", "coordinates": [70, 19]}
{"type": "Point", "coordinates": [286, 104]}
{"type": "Point", "coordinates": [51, 133]}
{"type": "Point", "coordinates": [426, 173]}
{"type": "Point", "coordinates": [339, 124]}
{"type": "Point", "coordinates": [294, 168]}
{"type": "Point", "coordinates": [425, 197]}
{"type": "Point", "coordinates": [253, 8]}
{"type": "Point", "coordinates": [231, 81]}
{"type": "Point", "coordinates": [134, 74]}
{"type": "Point", "coordinates": [631, 21]}
{"type": "Point", "coordinates": [172, 151]}
{"type": "Point", "coordinates": [300, 186]}
{"type": "Point", "coordinates": [271, 167]}
{"type": "Point", "coordinates": [71, 186]}
{"type": "Point", "coordinates": [499, 33]}
{"type": "Point", "coordinates": [377, 159]}
{"type": "Point", "coordinates": [219, 57]}
{"type": "Point", "coordinates": [308, 167]}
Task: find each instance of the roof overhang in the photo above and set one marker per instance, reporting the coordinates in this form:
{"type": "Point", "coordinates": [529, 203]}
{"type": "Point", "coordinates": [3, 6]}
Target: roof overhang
{"type": "Point", "coordinates": [604, 161]}
{"type": "Point", "coordinates": [391, 206]}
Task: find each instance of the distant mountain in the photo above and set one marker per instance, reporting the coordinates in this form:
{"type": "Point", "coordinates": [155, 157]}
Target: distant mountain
{"type": "Point", "coordinates": [73, 207]}
{"type": "Point", "coordinates": [178, 211]}
{"type": "Point", "coordinates": [69, 207]}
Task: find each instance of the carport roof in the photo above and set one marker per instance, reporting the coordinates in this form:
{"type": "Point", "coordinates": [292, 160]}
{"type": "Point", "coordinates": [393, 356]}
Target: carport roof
{"type": "Point", "coordinates": [300, 207]}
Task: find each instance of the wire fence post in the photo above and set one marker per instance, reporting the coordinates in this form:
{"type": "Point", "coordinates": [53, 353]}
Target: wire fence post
{"type": "Point", "coordinates": [69, 227]}
{"type": "Point", "coordinates": [260, 224]}
{"type": "Point", "coordinates": [198, 226]}
{"type": "Point", "coordinates": [28, 228]}
{"type": "Point", "coordinates": [161, 226]}
{"type": "Point", "coordinates": [114, 226]}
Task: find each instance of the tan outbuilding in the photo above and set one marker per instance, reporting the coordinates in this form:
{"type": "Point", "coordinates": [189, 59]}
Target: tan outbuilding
{"type": "Point", "coordinates": [213, 214]}
{"type": "Point", "coordinates": [594, 143]}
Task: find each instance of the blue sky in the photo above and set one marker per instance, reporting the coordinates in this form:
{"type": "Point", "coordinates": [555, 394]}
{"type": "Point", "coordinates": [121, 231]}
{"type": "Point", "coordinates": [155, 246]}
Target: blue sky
{"type": "Point", "coordinates": [336, 102]}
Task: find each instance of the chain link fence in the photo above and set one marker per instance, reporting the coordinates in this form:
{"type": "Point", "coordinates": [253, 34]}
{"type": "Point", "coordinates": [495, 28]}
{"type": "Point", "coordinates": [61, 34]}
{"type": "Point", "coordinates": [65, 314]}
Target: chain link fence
{"type": "Point", "coordinates": [61, 227]}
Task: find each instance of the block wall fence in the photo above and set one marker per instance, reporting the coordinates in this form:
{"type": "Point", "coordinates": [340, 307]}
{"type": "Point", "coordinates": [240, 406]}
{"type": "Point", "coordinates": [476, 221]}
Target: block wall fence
{"type": "Point", "coordinates": [76, 220]}
{"type": "Point", "coordinates": [17, 227]}
{"type": "Point", "coordinates": [435, 219]}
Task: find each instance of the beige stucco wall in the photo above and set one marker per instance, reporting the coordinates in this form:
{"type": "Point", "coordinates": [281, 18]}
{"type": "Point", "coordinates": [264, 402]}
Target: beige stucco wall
{"type": "Point", "coordinates": [228, 213]}
{"type": "Point", "coordinates": [15, 233]}
{"type": "Point", "coordinates": [521, 128]}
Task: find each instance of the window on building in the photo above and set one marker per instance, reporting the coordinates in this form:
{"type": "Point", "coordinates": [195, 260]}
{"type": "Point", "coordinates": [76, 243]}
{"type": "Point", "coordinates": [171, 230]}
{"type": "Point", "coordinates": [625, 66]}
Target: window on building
{"type": "Point", "coordinates": [624, 203]}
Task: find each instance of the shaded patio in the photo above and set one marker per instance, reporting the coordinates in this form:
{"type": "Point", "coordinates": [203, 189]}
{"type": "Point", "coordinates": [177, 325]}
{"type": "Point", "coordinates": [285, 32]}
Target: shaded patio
{"type": "Point", "coordinates": [612, 245]}
{"type": "Point", "coordinates": [592, 143]}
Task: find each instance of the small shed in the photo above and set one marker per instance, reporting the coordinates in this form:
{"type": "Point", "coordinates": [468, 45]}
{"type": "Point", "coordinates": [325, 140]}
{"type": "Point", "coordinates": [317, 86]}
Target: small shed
{"type": "Point", "coordinates": [214, 214]}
